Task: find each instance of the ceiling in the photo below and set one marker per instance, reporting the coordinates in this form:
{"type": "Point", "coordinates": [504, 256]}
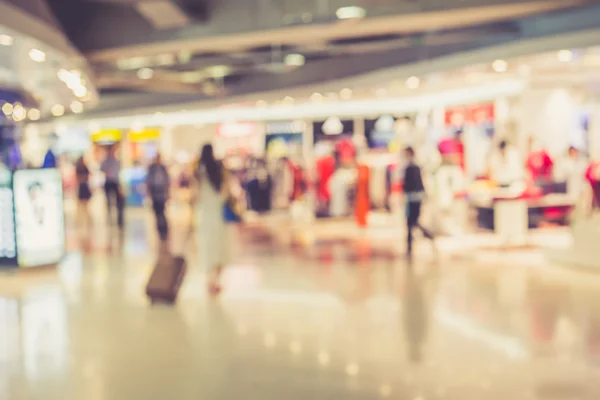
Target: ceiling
{"type": "Point", "coordinates": [152, 52]}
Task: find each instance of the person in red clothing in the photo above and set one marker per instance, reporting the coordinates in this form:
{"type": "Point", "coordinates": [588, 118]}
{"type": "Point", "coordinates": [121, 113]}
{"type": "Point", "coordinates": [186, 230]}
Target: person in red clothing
{"type": "Point", "coordinates": [362, 196]}
{"type": "Point", "coordinates": [592, 175]}
{"type": "Point", "coordinates": [540, 166]}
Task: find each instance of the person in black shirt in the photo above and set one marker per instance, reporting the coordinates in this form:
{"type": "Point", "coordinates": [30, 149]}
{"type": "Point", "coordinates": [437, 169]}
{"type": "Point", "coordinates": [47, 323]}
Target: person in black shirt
{"type": "Point", "coordinates": [84, 192]}
{"type": "Point", "coordinates": [414, 192]}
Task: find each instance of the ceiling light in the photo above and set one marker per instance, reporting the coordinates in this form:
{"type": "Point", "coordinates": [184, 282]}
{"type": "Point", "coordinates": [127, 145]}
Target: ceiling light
{"type": "Point", "coordinates": [7, 109]}
{"type": "Point", "coordinates": [34, 114]}
{"type": "Point", "coordinates": [500, 66]}
{"type": "Point", "coordinates": [316, 97]}
{"type": "Point", "coordinates": [184, 57]}
{"type": "Point", "coordinates": [37, 55]}
{"type": "Point", "coordinates": [345, 94]}
{"type": "Point", "coordinates": [125, 64]}
{"type": "Point", "coordinates": [63, 75]}
{"type": "Point", "coordinates": [57, 110]}
{"type": "Point", "coordinates": [80, 91]}
{"type": "Point", "coordinates": [413, 82]}
{"type": "Point", "coordinates": [565, 55]}
{"type": "Point", "coordinates": [352, 12]}
{"type": "Point", "coordinates": [77, 107]}
{"type": "Point", "coordinates": [218, 71]}
{"type": "Point", "coordinates": [6, 40]}
{"type": "Point", "coordinates": [19, 113]}
{"type": "Point", "coordinates": [165, 59]}
{"type": "Point", "coordinates": [145, 73]}
{"type": "Point", "coordinates": [294, 60]}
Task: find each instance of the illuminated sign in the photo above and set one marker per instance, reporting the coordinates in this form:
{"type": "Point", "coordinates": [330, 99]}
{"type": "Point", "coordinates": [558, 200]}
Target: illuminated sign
{"type": "Point", "coordinates": [38, 199]}
{"type": "Point", "coordinates": [107, 136]}
{"type": "Point", "coordinates": [144, 135]}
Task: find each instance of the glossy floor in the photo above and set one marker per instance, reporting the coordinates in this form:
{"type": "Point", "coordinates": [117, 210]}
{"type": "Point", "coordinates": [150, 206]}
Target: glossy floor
{"type": "Point", "coordinates": [298, 323]}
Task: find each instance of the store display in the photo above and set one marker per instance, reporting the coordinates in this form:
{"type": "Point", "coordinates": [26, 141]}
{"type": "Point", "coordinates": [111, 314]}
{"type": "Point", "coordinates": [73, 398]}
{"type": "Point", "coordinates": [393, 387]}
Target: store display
{"type": "Point", "coordinates": [39, 217]}
{"type": "Point", "coordinates": [363, 205]}
{"type": "Point", "coordinates": [284, 139]}
{"type": "Point", "coordinates": [336, 170]}
{"type": "Point", "coordinates": [471, 129]}
{"type": "Point", "coordinates": [284, 153]}
{"type": "Point", "coordinates": [235, 139]}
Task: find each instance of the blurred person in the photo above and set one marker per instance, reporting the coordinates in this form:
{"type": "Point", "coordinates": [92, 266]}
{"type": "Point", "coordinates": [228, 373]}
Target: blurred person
{"type": "Point", "coordinates": [212, 194]}
{"type": "Point", "coordinates": [414, 192]}
{"type": "Point", "coordinates": [571, 170]}
{"type": "Point", "coordinates": [111, 167]}
{"type": "Point", "coordinates": [158, 184]}
{"type": "Point", "coordinates": [506, 167]}
{"type": "Point", "coordinates": [84, 193]}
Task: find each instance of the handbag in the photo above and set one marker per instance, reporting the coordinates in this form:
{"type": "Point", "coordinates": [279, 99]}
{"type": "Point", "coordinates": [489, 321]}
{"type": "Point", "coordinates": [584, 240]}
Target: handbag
{"type": "Point", "coordinates": [231, 212]}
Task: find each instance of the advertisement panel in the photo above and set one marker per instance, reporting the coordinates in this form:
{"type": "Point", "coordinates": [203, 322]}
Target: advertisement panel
{"type": "Point", "coordinates": [40, 234]}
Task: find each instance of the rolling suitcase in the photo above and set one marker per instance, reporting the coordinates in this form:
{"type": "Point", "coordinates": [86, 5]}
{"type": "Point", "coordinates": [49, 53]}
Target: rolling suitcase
{"type": "Point", "coordinates": [166, 279]}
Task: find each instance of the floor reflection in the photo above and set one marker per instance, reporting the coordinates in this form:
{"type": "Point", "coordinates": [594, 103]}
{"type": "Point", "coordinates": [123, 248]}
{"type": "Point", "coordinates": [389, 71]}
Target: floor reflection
{"type": "Point", "coordinates": [298, 327]}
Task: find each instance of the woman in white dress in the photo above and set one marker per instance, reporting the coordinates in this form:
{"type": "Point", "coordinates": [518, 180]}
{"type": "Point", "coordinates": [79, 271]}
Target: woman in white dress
{"type": "Point", "coordinates": [211, 228]}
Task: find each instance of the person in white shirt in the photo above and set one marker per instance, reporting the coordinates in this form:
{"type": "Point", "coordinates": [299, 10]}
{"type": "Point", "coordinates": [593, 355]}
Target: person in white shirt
{"type": "Point", "coordinates": [111, 167]}
{"type": "Point", "coordinates": [571, 169]}
{"type": "Point", "coordinates": [506, 167]}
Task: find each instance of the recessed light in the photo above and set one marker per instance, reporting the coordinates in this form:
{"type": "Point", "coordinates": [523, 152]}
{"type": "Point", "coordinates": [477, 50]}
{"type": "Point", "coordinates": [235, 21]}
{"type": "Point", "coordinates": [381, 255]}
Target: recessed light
{"type": "Point", "coordinates": [500, 66]}
{"type": "Point", "coordinates": [6, 40]}
{"type": "Point", "coordinates": [413, 82]}
{"type": "Point", "coordinates": [37, 55]}
{"type": "Point", "coordinates": [294, 60]}
{"type": "Point", "coordinates": [345, 94]}
{"type": "Point", "coordinates": [19, 113]}
{"type": "Point", "coordinates": [77, 107]}
{"type": "Point", "coordinates": [7, 109]}
{"type": "Point", "coordinates": [145, 73]}
{"type": "Point", "coordinates": [57, 110]}
{"type": "Point", "coordinates": [80, 91]}
{"type": "Point", "coordinates": [218, 71]}
{"type": "Point", "coordinates": [316, 97]}
{"type": "Point", "coordinates": [351, 12]}
{"type": "Point", "coordinates": [565, 55]}
{"type": "Point", "coordinates": [34, 114]}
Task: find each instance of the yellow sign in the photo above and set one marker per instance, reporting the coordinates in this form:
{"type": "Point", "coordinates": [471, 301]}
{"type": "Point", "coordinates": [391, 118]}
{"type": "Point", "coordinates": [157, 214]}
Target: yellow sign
{"type": "Point", "coordinates": [144, 135]}
{"type": "Point", "coordinates": [106, 135]}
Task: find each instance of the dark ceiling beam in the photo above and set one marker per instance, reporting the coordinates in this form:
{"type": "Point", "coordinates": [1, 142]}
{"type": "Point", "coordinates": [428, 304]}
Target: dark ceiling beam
{"type": "Point", "coordinates": [358, 64]}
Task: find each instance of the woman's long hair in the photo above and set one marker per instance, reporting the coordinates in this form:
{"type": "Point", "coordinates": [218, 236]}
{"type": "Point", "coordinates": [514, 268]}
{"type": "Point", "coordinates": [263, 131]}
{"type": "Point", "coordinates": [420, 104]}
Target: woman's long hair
{"type": "Point", "coordinates": [213, 167]}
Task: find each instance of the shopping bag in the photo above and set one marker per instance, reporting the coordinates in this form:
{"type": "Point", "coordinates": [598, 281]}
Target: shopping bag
{"type": "Point", "coordinates": [231, 213]}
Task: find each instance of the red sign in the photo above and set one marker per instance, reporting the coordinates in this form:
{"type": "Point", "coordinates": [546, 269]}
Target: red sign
{"type": "Point", "coordinates": [477, 114]}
